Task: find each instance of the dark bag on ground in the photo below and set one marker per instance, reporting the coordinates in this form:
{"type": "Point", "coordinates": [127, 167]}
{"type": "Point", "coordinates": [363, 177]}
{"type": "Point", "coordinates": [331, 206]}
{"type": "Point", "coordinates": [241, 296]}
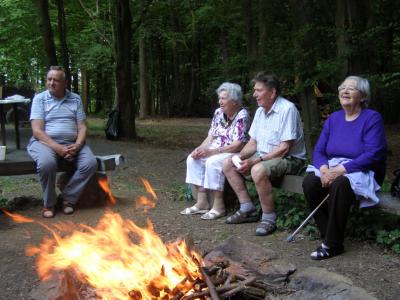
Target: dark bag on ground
{"type": "Point", "coordinates": [395, 188]}
{"type": "Point", "coordinates": [112, 125]}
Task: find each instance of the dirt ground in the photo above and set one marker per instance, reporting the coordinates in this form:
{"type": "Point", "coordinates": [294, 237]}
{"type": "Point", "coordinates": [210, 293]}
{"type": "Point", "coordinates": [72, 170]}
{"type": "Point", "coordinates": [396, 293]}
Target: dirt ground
{"type": "Point", "coordinates": [366, 264]}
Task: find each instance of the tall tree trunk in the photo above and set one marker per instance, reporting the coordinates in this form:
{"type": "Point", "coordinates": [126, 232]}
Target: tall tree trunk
{"type": "Point", "coordinates": [250, 33]}
{"type": "Point", "coordinates": [303, 16]}
{"type": "Point", "coordinates": [99, 82]}
{"type": "Point", "coordinates": [145, 101]}
{"type": "Point", "coordinates": [352, 19]}
{"type": "Point", "coordinates": [47, 33]}
{"type": "Point", "coordinates": [225, 53]}
{"type": "Point", "coordinates": [386, 49]}
{"type": "Point", "coordinates": [122, 42]}
{"type": "Point", "coordinates": [194, 82]}
{"type": "Point", "coordinates": [62, 31]}
{"type": "Point", "coordinates": [75, 81]}
{"type": "Point", "coordinates": [104, 91]}
{"type": "Point", "coordinates": [85, 89]}
{"type": "Point", "coordinates": [163, 98]}
{"type": "Point", "coordinates": [262, 14]}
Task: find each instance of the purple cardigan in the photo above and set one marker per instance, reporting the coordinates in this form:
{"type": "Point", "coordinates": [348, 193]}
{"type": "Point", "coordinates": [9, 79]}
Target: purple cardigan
{"type": "Point", "coordinates": [362, 140]}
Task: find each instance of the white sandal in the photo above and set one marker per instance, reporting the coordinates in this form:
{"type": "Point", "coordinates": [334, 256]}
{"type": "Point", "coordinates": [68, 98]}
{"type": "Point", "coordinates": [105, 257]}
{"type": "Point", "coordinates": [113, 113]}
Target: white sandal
{"type": "Point", "coordinates": [193, 210]}
{"type": "Point", "coordinates": [213, 215]}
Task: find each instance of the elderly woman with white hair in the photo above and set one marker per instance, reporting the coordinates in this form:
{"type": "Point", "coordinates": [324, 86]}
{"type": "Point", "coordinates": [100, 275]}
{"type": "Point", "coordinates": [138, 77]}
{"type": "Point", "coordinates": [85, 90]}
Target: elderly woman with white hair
{"type": "Point", "coordinates": [348, 164]}
{"type": "Point", "coordinates": [226, 136]}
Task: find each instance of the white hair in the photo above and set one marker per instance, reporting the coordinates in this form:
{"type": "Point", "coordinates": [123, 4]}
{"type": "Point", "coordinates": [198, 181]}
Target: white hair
{"type": "Point", "coordinates": [362, 85]}
{"type": "Point", "coordinates": [234, 91]}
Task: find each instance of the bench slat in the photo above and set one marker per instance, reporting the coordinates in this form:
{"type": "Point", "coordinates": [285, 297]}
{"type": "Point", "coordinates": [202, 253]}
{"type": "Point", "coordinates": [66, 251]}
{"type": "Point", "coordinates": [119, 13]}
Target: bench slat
{"type": "Point", "coordinates": [18, 162]}
{"type": "Point", "coordinates": [388, 203]}
{"type": "Point", "coordinates": [293, 184]}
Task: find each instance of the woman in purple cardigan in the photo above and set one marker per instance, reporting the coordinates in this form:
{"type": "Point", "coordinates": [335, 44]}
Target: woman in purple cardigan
{"type": "Point", "coordinates": [349, 162]}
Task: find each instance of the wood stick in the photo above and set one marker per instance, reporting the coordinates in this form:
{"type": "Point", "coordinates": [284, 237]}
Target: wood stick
{"type": "Point", "coordinates": [270, 286]}
{"type": "Point", "coordinates": [254, 292]}
{"type": "Point", "coordinates": [229, 279]}
{"type": "Point", "coordinates": [242, 286]}
{"type": "Point", "coordinates": [211, 286]}
{"type": "Point", "coordinates": [178, 296]}
{"type": "Point", "coordinates": [206, 292]}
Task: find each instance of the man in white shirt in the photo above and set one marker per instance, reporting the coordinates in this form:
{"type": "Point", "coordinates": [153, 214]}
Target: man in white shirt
{"type": "Point", "coordinates": [276, 148]}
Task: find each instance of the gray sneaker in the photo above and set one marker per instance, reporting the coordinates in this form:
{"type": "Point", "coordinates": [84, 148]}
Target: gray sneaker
{"type": "Point", "coordinates": [243, 217]}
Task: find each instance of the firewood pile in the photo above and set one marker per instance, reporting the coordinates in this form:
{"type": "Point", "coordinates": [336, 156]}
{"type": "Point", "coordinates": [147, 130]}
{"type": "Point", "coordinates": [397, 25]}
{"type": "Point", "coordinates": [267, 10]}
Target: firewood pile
{"type": "Point", "coordinates": [218, 283]}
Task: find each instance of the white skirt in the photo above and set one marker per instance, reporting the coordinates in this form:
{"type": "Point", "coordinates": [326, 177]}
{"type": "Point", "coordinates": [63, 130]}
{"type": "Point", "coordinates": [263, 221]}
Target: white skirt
{"type": "Point", "coordinates": [207, 172]}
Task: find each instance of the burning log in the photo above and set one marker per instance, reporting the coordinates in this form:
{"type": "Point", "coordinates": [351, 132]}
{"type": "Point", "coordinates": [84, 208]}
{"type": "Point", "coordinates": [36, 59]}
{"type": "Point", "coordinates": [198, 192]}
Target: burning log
{"type": "Point", "coordinates": [135, 295]}
{"type": "Point", "coordinates": [178, 295]}
{"type": "Point", "coordinates": [206, 292]}
{"type": "Point", "coordinates": [211, 286]}
{"type": "Point", "coordinates": [199, 285]}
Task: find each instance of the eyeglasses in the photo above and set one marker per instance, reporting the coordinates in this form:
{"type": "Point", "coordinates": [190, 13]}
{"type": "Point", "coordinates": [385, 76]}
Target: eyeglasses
{"type": "Point", "coordinates": [349, 88]}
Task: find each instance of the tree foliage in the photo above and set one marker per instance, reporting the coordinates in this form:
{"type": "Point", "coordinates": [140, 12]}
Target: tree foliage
{"type": "Point", "coordinates": [182, 50]}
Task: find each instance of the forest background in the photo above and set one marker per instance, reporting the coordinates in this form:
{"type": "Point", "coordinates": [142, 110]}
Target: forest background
{"type": "Point", "coordinates": [166, 58]}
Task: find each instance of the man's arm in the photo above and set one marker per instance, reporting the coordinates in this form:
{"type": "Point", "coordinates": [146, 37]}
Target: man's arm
{"type": "Point", "coordinates": [73, 149]}
{"type": "Point", "coordinates": [82, 132]}
{"type": "Point", "coordinates": [279, 152]}
{"type": "Point", "coordinates": [39, 134]}
{"type": "Point", "coordinates": [249, 149]}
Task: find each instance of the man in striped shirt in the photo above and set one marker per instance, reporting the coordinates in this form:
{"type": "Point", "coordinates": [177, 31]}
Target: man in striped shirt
{"type": "Point", "coordinates": [59, 133]}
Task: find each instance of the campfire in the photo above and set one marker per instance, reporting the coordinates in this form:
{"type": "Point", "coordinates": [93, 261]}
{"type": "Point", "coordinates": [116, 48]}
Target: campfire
{"type": "Point", "coordinates": [117, 259]}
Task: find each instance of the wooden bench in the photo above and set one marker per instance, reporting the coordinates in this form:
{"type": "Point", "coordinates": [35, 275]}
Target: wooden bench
{"type": "Point", "coordinates": [293, 184]}
{"type": "Point", "coordinates": [18, 162]}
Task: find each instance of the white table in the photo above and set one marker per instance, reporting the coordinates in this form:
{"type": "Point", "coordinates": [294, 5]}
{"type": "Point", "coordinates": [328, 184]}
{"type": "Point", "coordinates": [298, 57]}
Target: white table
{"type": "Point", "coordinates": [15, 103]}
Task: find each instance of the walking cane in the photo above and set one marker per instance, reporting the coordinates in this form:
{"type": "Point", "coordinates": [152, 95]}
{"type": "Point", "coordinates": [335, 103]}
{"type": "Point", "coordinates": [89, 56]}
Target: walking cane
{"type": "Point", "coordinates": [291, 237]}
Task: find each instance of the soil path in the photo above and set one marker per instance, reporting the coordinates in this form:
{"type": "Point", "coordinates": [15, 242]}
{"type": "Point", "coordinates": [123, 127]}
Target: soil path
{"type": "Point", "coordinates": [366, 264]}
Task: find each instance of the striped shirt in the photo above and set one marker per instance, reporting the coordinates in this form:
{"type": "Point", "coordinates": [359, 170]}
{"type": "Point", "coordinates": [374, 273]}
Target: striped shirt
{"type": "Point", "coordinates": [60, 116]}
{"type": "Point", "coordinates": [281, 123]}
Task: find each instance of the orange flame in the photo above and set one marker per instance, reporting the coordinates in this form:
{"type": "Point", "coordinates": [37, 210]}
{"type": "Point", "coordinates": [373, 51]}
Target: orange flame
{"type": "Point", "coordinates": [17, 217]}
{"type": "Point", "coordinates": [144, 202]}
{"type": "Point", "coordinates": [148, 188]}
{"type": "Point", "coordinates": [106, 188]}
{"type": "Point", "coordinates": [117, 258]}
{"type": "Point", "coordinates": [22, 219]}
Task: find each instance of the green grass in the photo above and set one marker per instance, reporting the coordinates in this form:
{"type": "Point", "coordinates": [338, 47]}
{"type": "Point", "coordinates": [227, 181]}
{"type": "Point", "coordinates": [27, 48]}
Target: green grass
{"type": "Point", "coordinates": [171, 133]}
{"type": "Point", "coordinates": [96, 126]}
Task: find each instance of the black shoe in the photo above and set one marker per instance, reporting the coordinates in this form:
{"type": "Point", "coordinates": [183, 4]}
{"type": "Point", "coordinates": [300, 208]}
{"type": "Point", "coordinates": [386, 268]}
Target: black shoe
{"type": "Point", "coordinates": [324, 253]}
{"type": "Point", "coordinates": [243, 217]}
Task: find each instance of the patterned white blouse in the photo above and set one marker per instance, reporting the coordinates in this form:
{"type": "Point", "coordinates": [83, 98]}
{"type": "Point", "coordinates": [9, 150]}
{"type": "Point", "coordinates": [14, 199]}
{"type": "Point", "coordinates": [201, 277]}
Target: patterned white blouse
{"type": "Point", "coordinates": [225, 131]}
